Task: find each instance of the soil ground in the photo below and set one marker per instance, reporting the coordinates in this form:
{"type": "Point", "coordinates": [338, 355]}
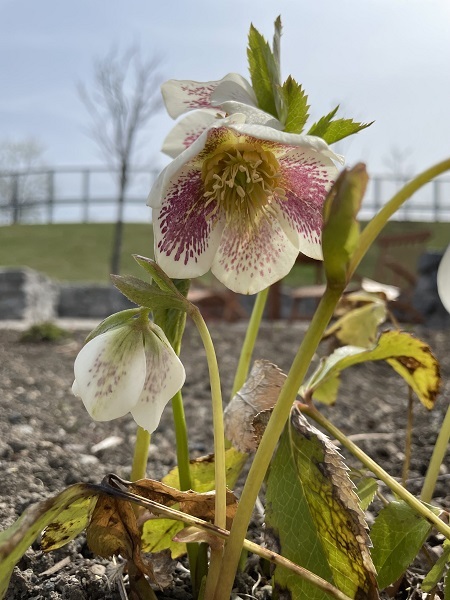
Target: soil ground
{"type": "Point", "coordinates": [47, 439]}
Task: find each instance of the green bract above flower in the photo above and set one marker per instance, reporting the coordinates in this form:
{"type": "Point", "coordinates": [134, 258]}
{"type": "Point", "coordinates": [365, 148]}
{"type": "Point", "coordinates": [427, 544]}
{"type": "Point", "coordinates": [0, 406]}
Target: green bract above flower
{"type": "Point", "coordinates": [131, 368]}
{"type": "Point", "coordinates": [242, 200]}
{"type": "Point", "coordinates": [443, 279]}
{"type": "Point", "coordinates": [209, 100]}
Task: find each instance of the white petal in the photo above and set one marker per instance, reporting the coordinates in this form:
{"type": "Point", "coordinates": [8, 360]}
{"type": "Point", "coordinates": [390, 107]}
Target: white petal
{"type": "Point", "coordinates": [443, 279]}
{"type": "Point", "coordinates": [184, 133]}
{"type": "Point", "coordinates": [233, 87]}
{"type": "Point", "coordinates": [249, 263]}
{"type": "Point", "coordinates": [252, 115]}
{"type": "Point", "coordinates": [110, 373]}
{"type": "Point", "coordinates": [284, 139]}
{"type": "Point", "coordinates": [165, 377]}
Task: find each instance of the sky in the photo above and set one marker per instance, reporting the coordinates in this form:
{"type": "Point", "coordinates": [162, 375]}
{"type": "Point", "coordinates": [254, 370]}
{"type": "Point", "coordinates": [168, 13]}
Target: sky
{"type": "Point", "coordinates": [381, 60]}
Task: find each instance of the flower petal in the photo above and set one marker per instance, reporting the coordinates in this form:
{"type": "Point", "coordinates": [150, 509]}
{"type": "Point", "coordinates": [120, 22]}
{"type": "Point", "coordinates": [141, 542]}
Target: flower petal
{"type": "Point", "coordinates": [181, 96]}
{"type": "Point", "coordinates": [252, 115]}
{"type": "Point", "coordinates": [307, 176]}
{"type": "Point", "coordinates": [110, 373]}
{"type": "Point", "coordinates": [184, 133]}
{"type": "Point", "coordinates": [165, 377]}
{"type": "Point", "coordinates": [249, 263]}
{"type": "Point", "coordinates": [186, 234]}
{"type": "Point", "coordinates": [443, 279]}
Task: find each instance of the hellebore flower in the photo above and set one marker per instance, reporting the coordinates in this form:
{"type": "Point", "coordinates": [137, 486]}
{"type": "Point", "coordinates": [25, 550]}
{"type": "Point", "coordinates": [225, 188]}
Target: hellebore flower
{"type": "Point", "coordinates": [443, 279]}
{"type": "Point", "coordinates": [131, 368]}
{"type": "Point", "coordinates": [209, 100]}
{"type": "Point", "coordinates": [243, 200]}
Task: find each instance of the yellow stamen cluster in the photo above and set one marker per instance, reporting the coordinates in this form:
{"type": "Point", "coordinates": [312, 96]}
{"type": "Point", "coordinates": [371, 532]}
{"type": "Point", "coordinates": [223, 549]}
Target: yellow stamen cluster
{"type": "Point", "coordinates": [242, 179]}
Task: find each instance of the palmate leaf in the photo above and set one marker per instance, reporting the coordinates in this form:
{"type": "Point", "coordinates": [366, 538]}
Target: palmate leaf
{"type": "Point", "coordinates": [437, 571]}
{"type": "Point", "coordinates": [313, 516]}
{"type": "Point", "coordinates": [397, 535]}
{"type": "Point", "coordinates": [264, 71]}
{"type": "Point", "coordinates": [359, 326]}
{"type": "Point", "coordinates": [366, 488]}
{"type": "Point", "coordinates": [334, 130]}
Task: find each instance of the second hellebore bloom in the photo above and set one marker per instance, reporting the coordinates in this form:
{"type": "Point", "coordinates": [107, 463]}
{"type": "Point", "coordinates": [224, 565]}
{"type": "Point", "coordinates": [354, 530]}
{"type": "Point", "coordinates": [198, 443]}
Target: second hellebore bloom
{"type": "Point", "coordinates": [131, 368]}
{"type": "Point", "coordinates": [242, 200]}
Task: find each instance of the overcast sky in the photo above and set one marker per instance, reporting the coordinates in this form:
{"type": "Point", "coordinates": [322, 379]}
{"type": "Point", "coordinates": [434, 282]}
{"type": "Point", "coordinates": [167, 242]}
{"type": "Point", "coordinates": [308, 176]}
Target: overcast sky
{"type": "Point", "coordinates": [383, 60]}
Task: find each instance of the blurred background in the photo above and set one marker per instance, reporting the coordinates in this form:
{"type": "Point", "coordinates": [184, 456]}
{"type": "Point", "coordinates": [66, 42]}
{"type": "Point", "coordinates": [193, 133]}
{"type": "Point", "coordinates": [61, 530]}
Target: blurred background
{"type": "Point", "coordinates": [62, 185]}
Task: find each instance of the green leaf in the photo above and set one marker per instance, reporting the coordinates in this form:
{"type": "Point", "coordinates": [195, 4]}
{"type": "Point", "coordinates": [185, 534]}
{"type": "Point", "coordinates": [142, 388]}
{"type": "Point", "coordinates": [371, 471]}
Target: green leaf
{"type": "Point", "coordinates": [158, 534]}
{"type": "Point", "coordinates": [157, 274]}
{"type": "Point", "coordinates": [203, 471]}
{"type": "Point", "coordinates": [447, 586]}
{"type": "Point", "coordinates": [407, 355]}
{"type": "Point", "coordinates": [113, 321]}
{"type": "Point", "coordinates": [437, 571]}
{"type": "Point", "coordinates": [341, 230]}
{"type": "Point", "coordinates": [263, 72]}
{"type": "Point", "coordinates": [15, 540]}
{"type": "Point", "coordinates": [359, 326]}
{"type": "Point", "coordinates": [313, 516]}
{"type": "Point", "coordinates": [296, 107]}
{"type": "Point", "coordinates": [334, 130]}
{"type": "Point", "coordinates": [397, 535]}
{"type": "Point", "coordinates": [366, 489]}
{"type": "Point", "coordinates": [144, 294]}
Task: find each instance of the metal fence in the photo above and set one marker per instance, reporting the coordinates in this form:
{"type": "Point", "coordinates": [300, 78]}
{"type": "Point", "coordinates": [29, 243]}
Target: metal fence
{"type": "Point", "coordinates": [86, 195]}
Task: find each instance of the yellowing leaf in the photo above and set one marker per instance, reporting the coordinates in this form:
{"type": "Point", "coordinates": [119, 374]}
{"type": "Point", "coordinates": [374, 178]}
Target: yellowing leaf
{"type": "Point", "coordinates": [203, 471]}
{"type": "Point", "coordinates": [16, 539]}
{"type": "Point", "coordinates": [68, 524]}
{"type": "Point", "coordinates": [158, 534]}
{"type": "Point", "coordinates": [260, 392]}
{"type": "Point", "coordinates": [313, 515]}
{"type": "Point", "coordinates": [359, 326]}
{"type": "Point", "coordinates": [407, 355]}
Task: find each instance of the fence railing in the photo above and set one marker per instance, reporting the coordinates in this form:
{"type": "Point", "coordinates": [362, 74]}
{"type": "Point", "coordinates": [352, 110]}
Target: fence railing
{"type": "Point", "coordinates": [77, 194]}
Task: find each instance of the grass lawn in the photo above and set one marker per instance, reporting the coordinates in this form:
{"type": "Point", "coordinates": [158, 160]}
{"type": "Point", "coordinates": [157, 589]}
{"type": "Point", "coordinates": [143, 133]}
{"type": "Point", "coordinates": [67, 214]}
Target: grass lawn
{"type": "Point", "coordinates": [81, 252]}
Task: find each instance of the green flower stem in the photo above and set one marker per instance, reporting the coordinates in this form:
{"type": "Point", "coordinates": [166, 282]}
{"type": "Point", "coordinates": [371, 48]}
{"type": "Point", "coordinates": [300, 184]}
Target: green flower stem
{"type": "Point", "coordinates": [217, 410]}
{"type": "Point", "coordinates": [139, 467]}
{"type": "Point", "coordinates": [182, 442]}
{"type": "Point", "coordinates": [437, 457]}
{"type": "Point", "coordinates": [249, 341]}
{"type": "Point", "coordinates": [396, 487]}
{"type": "Point", "coordinates": [270, 439]}
{"type": "Point", "coordinates": [373, 228]}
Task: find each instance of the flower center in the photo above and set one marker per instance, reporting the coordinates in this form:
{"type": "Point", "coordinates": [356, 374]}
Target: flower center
{"type": "Point", "coordinates": [242, 180]}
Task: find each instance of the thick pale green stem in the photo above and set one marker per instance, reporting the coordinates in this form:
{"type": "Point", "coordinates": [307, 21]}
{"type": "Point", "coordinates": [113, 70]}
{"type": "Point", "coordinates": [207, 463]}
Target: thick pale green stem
{"type": "Point", "coordinates": [270, 439]}
{"type": "Point", "coordinates": [440, 448]}
{"type": "Point", "coordinates": [396, 487]}
{"type": "Point", "coordinates": [249, 341]}
{"type": "Point", "coordinates": [139, 467]}
{"type": "Point", "coordinates": [217, 410]}
{"type": "Point", "coordinates": [182, 442]}
{"type": "Point", "coordinates": [373, 228]}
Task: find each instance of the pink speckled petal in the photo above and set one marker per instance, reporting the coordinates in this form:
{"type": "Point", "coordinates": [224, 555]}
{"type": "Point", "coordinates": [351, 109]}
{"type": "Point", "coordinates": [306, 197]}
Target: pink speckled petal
{"type": "Point", "coordinates": [165, 377]}
{"type": "Point", "coordinates": [233, 87]}
{"type": "Point", "coordinates": [184, 133]}
{"type": "Point", "coordinates": [443, 279]}
{"type": "Point", "coordinates": [110, 373]}
{"type": "Point", "coordinates": [249, 264]}
{"type": "Point", "coordinates": [181, 96]}
{"type": "Point", "coordinates": [307, 177]}
{"type": "Point", "coordinates": [186, 234]}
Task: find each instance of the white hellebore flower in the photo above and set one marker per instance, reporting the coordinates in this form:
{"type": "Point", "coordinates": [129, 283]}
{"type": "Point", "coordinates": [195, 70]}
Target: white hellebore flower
{"type": "Point", "coordinates": [242, 200]}
{"type": "Point", "coordinates": [209, 100]}
{"type": "Point", "coordinates": [443, 279]}
{"type": "Point", "coordinates": [132, 368]}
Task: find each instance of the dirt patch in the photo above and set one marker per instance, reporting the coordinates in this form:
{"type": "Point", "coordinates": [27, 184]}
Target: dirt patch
{"type": "Point", "coordinates": [47, 439]}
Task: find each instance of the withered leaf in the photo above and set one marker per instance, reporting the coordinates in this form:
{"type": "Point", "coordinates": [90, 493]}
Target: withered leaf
{"type": "Point", "coordinates": [259, 393]}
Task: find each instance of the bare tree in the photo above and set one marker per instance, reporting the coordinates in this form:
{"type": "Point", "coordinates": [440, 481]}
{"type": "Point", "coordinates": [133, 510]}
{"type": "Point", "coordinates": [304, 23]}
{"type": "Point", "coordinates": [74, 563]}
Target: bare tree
{"type": "Point", "coordinates": [124, 97]}
{"type": "Point", "coordinates": [21, 186]}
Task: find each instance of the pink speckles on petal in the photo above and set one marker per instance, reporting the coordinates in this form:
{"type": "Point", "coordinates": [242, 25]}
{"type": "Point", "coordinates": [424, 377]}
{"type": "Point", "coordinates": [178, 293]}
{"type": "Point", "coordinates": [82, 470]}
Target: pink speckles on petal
{"type": "Point", "coordinates": [198, 95]}
{"type": "Point", "coordinates": [186, 232]}
{"type": "Point", "coordinates": [249, 263]}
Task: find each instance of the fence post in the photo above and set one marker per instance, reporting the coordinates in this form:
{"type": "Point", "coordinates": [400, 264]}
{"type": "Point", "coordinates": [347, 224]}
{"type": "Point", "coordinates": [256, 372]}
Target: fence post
{"type": "Point", "coordinates": [376, 194]}
{"type": "Point", "coordinates": [86, 194]}
{"type": "Point", "coordinates": [436, 199]}
{"type": "Point", "coordinates": [51, 195]}
{"type": "Point", "coordinates": [15, 208]}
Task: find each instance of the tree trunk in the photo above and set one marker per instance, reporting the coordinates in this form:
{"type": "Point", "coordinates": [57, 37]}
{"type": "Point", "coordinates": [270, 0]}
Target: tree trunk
{"type": "Point", "coordinates": [118, 231]}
